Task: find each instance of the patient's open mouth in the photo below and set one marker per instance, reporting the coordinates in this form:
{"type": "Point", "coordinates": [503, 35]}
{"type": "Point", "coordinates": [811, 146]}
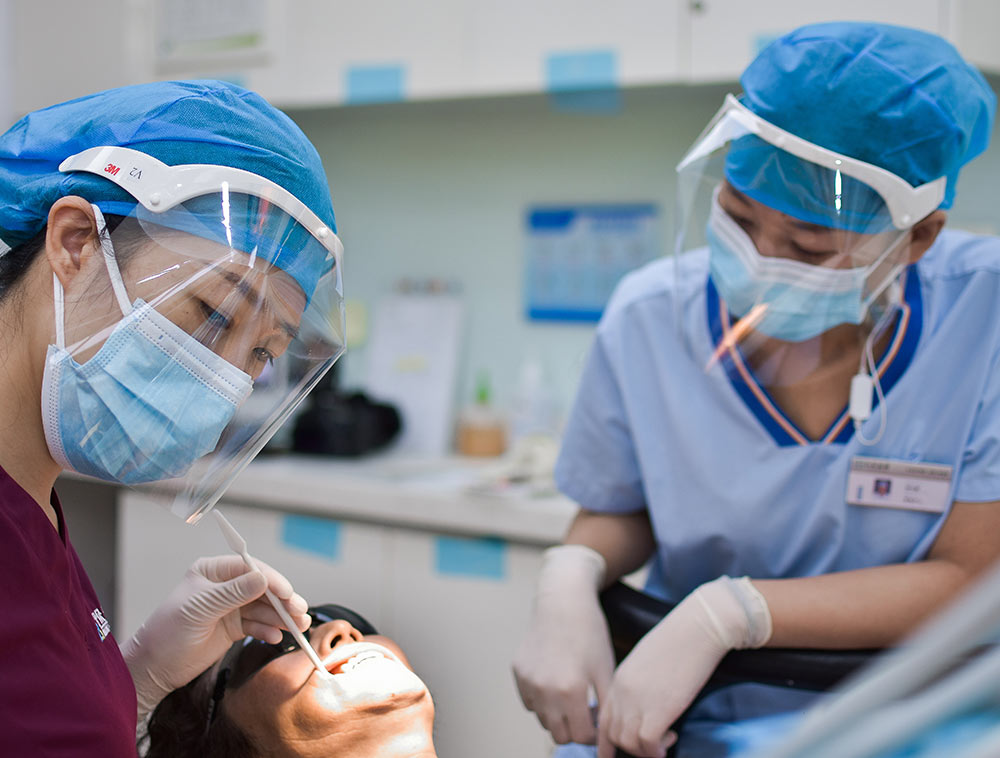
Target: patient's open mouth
{"type": "Point", "coordinates": [347, 658]}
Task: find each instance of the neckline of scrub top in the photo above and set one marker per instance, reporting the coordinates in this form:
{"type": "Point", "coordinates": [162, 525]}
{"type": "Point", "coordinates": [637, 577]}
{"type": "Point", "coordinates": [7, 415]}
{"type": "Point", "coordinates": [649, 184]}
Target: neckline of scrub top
{"type": "Point", "coordinates": [782, 429]}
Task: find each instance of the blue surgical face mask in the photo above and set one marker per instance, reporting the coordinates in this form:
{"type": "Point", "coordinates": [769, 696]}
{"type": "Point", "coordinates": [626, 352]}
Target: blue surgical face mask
{"type": "Point", "coordinates": [146, 405]}
{"type": "Point", "coordinates": [803, 300]}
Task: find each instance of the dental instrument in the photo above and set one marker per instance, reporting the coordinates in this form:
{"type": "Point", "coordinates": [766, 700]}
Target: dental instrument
{"type": "Point", "coordinates": [239, 546]}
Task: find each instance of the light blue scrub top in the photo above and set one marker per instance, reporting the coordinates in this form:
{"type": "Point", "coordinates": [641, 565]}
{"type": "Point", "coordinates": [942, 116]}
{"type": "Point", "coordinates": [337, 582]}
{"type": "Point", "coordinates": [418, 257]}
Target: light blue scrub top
{"type": "Point", "coordinates": [731, 485]}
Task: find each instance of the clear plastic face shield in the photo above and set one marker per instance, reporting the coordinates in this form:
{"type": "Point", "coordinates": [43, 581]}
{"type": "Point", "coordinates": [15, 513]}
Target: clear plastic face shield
{"type": "Point", "coordinates": [799, 241]}
{"type": "Point", "coordinates": [217, 306]}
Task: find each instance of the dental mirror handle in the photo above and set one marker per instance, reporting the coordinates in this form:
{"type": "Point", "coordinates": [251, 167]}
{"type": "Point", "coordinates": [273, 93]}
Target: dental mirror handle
{"type": "Point", "coordinates": [300, 638]}
{"type": "Point", "coordinates": [239, 546]}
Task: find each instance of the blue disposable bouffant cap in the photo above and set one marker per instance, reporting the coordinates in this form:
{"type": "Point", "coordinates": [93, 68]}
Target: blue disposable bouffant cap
{"type": "Point", "coordinates": [177, 123]}
{"type": "Point", "coordinates": [898, 98]}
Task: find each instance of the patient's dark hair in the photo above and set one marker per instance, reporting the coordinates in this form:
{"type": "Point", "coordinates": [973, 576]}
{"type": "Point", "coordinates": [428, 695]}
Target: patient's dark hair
{"type": "Point", "coordinates": [179, 726]}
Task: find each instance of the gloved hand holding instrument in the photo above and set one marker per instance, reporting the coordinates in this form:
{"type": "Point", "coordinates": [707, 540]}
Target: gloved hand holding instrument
{"type": "Point", "coordinates": [218, 602]}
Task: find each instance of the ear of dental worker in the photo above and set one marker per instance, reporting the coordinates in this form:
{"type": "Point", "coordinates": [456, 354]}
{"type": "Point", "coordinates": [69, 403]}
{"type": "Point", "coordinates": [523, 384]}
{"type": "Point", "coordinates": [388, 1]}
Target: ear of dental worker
{"type": "Point", "coordinates": [924, 233]}
{"type": "Point", "coordinates": [567, 648]}
{"type": "Point", "coordinates": [218, 602]}
{"type": "Point", "coordinates": [70, 237]}
{"type": "Point", "coordinates": [73, 251]}
{"type": "Point", "coordinates": [658, 680]}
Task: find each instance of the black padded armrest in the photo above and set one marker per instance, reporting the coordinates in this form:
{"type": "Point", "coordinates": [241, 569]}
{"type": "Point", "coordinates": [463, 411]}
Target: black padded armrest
{"type": "Point", "coordinates": [631, 613]}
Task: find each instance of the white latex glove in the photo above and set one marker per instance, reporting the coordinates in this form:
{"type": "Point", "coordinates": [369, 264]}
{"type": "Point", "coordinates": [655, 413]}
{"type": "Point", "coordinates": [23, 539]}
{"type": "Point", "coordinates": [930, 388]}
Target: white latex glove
{"type": "Point", "coordinates": [218, 602]}
{"type": "Point", "coordinates": [567, 647]}
{"type": "Point", "coordinates": [661, 676]}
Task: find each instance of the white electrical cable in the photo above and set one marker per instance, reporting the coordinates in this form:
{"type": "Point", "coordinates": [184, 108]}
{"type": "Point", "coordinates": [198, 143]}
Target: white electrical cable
{"type": "Point", "coordinates": [868, 377]}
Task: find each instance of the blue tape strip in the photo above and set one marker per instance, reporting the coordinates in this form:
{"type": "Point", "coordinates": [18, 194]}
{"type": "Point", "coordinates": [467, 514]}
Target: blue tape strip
{"type": "Point", "coordinates": [483, 558]}
{"type": "Point", "coordinates": [374, 84]}
{"type": "Point", "coordinates": [319, 536]}
{"type": "Point", "coordinates": [583, 70]}
{"type": "Point", "coordinates": [583, 315]}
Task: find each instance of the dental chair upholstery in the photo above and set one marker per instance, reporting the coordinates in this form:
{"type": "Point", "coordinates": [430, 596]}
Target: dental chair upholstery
{"type": "Point", "coordinates": [631, 613]}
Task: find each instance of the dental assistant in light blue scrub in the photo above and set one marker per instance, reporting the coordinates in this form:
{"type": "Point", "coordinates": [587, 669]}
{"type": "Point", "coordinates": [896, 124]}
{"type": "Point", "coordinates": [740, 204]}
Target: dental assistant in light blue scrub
{"type": "Point", "coordinates": [797, 415]}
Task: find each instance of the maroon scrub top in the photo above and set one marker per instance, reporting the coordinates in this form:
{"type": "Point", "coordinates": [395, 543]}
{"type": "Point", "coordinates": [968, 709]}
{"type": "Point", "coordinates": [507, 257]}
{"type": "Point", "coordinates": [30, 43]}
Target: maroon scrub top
{"type": "Point", "coordinates": [64, 687]}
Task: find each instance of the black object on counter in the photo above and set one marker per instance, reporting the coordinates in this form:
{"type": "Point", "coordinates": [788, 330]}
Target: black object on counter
{"type": "Point", "coordinates": [343, 424]}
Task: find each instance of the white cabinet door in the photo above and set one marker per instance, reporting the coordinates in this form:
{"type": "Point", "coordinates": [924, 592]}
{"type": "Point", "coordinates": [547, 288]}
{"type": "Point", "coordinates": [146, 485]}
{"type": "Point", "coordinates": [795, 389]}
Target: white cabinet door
{"type": "Point", "coordinates": [725, 35]}
{"type": "Point", "coordinates": [365, 50]}
{"type": "Point", "coordinates": [514, 42]}
{"type": "Point", "coordinates": [62, 50]}
{"type": "Point", "coordinates": [975, 26]}
{"type": "Point", "coordinates": [459, 608]}
{"type": "Point", "coordinates": [326, 560]}
{"type": "Point", "coordinates": [326, 52]}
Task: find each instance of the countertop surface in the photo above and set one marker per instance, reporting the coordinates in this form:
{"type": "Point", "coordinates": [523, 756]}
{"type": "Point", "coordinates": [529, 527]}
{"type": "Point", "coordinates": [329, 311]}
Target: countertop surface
{"type": "Point", "coordinates": [454, 494]}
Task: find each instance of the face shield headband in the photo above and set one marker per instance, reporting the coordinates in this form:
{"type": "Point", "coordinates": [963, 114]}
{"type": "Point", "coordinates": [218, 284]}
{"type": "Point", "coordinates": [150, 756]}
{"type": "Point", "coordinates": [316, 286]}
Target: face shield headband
{"type": "Point", "coordinates": [734, 122]}
{"type": "Point", "coordinates": [160, 188]}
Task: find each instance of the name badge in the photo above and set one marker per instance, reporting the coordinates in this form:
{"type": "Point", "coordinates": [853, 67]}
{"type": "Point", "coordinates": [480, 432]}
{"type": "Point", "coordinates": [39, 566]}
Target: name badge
{"type": "Point", "coordinates": [899, 484]}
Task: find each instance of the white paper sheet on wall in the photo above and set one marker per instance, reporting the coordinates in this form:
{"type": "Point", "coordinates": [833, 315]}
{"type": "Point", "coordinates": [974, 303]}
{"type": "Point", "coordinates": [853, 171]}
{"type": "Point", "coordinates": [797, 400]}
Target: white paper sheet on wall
{"type": "Point", "coordinates": [193, 33]}
{"type": "Point", "coordinates": [413, 360]}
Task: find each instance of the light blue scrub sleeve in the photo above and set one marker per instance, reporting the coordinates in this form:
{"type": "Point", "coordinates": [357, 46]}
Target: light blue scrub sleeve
{"type": "Point", "coordinates": [979, 477]}
{"type": "Point", "coordinates": [597, 465]}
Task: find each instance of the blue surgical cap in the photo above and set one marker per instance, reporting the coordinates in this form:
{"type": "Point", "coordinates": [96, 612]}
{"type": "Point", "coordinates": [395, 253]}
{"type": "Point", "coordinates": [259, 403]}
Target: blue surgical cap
{"type": "Point", "coordinates": [177, 123]}
{"type": "Point", "coordinates": [897, 98]}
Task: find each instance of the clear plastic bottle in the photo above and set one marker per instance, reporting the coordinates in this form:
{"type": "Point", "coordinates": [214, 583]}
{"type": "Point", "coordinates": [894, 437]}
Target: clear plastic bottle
{"type": "Point", "coordinates": [533, 407]}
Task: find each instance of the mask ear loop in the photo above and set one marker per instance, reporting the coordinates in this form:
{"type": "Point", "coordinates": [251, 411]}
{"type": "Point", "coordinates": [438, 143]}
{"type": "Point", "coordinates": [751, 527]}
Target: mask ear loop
{"type": "Point", "coordinates": [117, 283]}
{"type": "Point", "coordinates": [60, 312]}
{"type": "Point", "coordinates": [114, 273]}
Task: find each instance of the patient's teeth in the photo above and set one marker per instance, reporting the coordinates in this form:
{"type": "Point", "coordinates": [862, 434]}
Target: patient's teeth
{"type": "Point", "coordinates": [361, 658]}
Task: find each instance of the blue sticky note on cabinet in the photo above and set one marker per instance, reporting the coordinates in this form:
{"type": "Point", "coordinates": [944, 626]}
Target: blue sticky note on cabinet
{"type": "Point", "coordinates": [581, 70]}
{"type": "Point", "coordinates": [583, 81]}
{"type": "Point", "coordinates": [318, 536]}
{"type": "Point", "coordinates": [374, 84]}
{"type": "Point", "coordinates": [479, 557]}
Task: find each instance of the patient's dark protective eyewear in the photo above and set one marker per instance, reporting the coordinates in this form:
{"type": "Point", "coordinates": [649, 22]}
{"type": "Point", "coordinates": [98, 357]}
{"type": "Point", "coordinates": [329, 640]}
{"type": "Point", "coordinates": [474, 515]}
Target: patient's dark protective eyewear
{"type": "Point", "coordinates": [246, 657]}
